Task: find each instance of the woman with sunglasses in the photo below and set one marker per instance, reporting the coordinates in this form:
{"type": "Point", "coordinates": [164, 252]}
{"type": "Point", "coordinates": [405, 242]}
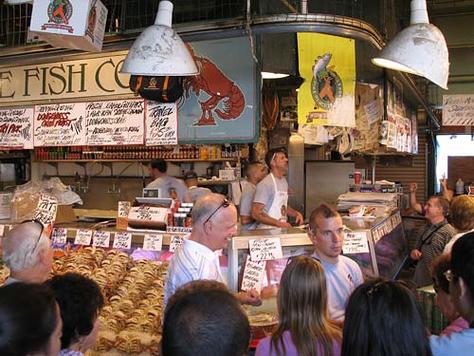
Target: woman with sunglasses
{"type": "Point", "coordinates": [304, 327]}
{"type": "Point", "coordinates": [443, 298]}
{"type": "Point", "coordinates": [383, 319]}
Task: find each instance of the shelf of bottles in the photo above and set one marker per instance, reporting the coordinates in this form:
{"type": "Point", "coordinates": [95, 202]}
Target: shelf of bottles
{"type": "Point", "coordinates": [131, 153]}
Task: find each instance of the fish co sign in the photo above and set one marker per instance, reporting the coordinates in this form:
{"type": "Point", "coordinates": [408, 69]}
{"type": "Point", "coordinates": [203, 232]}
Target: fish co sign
{"type": "Point", "coordinates": [69, 79]}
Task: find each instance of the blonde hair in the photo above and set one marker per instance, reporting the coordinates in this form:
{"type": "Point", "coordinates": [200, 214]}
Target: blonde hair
{"type": "Point", "coordinates": [302, 308]}
{"type": "Point", "coordinates": [462, 212]}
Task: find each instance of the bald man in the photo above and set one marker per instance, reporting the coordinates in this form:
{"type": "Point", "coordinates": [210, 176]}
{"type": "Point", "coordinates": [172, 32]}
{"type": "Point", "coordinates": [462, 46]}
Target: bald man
{"type": "Point", "coordinates": [255, 172]}
{"type": "Point", "coordinates": [27, 252]}
{"type": "Point", "coordinates": [214, 224]}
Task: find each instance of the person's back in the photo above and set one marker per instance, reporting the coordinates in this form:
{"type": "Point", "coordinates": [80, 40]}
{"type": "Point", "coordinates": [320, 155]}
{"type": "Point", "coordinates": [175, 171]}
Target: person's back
{"type": "Point", "coordinates": [204, 318]}
{"type": "Point", "coordinates": [304, 327]}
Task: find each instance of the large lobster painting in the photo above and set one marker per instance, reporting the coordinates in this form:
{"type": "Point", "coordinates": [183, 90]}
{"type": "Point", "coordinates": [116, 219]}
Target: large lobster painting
{"type": "Point", "coordinates": [223, 97]}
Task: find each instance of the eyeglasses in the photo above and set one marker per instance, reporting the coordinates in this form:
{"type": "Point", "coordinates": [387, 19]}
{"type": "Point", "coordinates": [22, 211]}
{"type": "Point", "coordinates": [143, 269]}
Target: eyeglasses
{"type": "Point", "coordinates": [225, 203]}
{"type": "Point", "coordinates": [450, 276]}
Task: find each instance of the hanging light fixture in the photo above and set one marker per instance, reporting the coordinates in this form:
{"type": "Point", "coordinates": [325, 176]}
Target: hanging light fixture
{"type": "Point", "coordinates": [159, 51]}
{"type": "Point", "coordinates": [418, 49]}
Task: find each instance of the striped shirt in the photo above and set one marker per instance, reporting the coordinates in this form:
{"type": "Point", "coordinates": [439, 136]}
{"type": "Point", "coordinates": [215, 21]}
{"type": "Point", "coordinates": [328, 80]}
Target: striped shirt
{"type": "Point", "coordinates": [193, 261]}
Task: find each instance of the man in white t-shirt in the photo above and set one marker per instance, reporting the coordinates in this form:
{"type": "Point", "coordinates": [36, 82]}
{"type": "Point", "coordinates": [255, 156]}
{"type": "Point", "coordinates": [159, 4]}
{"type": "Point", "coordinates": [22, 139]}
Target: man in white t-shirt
{"type": "Point", "coordinates": [343, 275]}
{"type": "Point", "coordinates": [169, 187]}
{"type": "Point", "coordinates": [214, 224]}
{"type": "Point", "coordinates": [270, 206]}
{"type": "Point", "coordinates": [255, 172]}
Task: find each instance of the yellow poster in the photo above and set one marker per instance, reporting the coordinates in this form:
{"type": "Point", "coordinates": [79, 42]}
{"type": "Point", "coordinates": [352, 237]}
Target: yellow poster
{"type": "Point", "coordinates": [327, 64]}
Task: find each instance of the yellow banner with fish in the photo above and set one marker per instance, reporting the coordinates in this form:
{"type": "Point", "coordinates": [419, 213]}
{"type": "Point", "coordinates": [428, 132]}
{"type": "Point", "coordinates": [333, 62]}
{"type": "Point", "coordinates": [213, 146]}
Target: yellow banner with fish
{"type": "Point", "coordinates": [327, 64]}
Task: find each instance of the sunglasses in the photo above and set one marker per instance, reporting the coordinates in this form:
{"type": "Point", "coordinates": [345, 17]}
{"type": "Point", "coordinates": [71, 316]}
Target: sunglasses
{"type": "Point", "coordinates": [225, 203]}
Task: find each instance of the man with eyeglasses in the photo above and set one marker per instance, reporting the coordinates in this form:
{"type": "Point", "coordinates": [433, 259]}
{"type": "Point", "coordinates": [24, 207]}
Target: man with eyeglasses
{"type": "Point", "coordinates": [27, 252]}
{"type": "Point", "coordinates": [214, 224]}
{"type": "Point", "coordinates": [461, 289]}
{"type": "Point", "coordinates": [342, 274]}
{"type": "Point", "coordinates": [270, 206]}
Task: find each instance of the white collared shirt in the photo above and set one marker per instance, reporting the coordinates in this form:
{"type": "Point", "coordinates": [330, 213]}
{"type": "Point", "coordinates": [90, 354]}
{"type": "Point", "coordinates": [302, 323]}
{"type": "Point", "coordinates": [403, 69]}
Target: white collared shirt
{"type": "Point", "coordinates": [193, 261]}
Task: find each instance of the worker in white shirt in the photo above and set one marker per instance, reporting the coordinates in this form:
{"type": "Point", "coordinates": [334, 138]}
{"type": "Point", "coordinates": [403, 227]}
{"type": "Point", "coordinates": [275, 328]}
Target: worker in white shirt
{"type": "Point", "coordinates": [255, 172]}
{"type": "Point", "coordinates": [214, 224]}
{"type": "Point", "coordinates": [191, 181]}
{"type": "Point", "coordinates": [166, 184]}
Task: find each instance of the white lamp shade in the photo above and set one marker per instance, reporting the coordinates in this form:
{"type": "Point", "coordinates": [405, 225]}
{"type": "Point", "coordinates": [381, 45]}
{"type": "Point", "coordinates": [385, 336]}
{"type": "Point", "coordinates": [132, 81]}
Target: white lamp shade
{"type": "Point", "coordinates": [418, 49]}
{"type": "Point", "coordinates": [159, 51]}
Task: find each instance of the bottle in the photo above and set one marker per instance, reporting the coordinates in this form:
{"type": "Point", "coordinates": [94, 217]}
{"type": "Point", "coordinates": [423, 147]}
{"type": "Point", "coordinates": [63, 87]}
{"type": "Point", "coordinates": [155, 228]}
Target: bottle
{"type": "Point", "coordinates": [459, 187]}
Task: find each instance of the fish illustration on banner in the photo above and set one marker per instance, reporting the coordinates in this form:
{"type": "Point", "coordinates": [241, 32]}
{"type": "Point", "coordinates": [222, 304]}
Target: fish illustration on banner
{"type": "Point", "coordinates": [327, 63]}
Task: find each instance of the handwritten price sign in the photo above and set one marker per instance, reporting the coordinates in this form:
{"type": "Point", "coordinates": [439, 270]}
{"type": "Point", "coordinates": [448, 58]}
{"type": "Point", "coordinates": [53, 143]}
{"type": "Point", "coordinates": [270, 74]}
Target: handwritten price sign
{"type": "Point", "coordinates": [148, 213]}
{"type": "Point", "coordinates": [265, 249]}
{"type": "Point", "coordinates": [176, 242]}
{"type": "Point", "coordinates": [123, 240]}
{"type": "Point", "coordinates": [59, 236]}
{"type": "Point", "coordinates": [101, 239]}
{"type": "Point", "coordinates": [83, 237]}
{"type": "Point", "coordinates": [355, 242]}
{"type": "Point", "coordinates": [161, 122]}
{"type": "Point", "coordinates": [46, 210]}
{"type": "Point", "coordinates": [152, 242]}
{"type": "Point", "coordinates": [123, 209]}
{"type": "Point", "coordinates": [253, 275]}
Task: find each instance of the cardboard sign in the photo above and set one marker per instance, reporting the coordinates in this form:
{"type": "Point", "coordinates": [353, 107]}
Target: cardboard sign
{"type": "Point", "coordinates": [123, 240]}
{"type": "Point", "coordinates": [355, 242]}
{"type": "Point", "coordinates": [16, 128]}
{"type": "Point", "coordinates": [458, 110]}
{"type": "Point", "coordinates": [161, 121]}
{"type": "Point", "coordinates": [152, 242]}
{"type": "Point", "coordinates": [59, 235]}
{"type": "Point", "coordinates": [83, 237]}
{"type": "Point", "coordinates": [101, 239]}
{"type": "Point", "coordinates": [59, 125]}
{"type": "Point", "coordinates": [265, 249]}
{"type": "Point", "coordinates": [253, 275]}
{"type": "Point", "coordinates": [118, 122]}
{"type": "Point", "coordinates": [148, 213]}
{"type": "Point", "coordinates": [176, 242]}
{"type": "Point", "coordinates": [77, 24]}
{"type": "Point", "coordinates": [46, 210]}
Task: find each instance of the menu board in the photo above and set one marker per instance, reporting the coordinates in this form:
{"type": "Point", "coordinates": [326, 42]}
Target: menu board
{"type": "Point", "coordinates": [118, 122]}
{"type": "Point", "coordinates": [16, 128]}
{"type": "Point", "coordinates": [59, 125]}
{"type": "Point", "coordinates": [161, 121]}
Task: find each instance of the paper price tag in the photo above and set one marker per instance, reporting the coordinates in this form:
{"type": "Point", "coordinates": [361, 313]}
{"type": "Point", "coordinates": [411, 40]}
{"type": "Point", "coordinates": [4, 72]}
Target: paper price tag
{"type": "Point", "coordinates": [355, 242]}
{"type": "Point", "coordinates": [148, 213]}
{"type": "Point", "coordinates": [123, 240]}
{"type": "Point", "coordinates": [253, 275]}
{"type": "Point", "coordinates": [101, 239]}
{"type": "Point", "coordinates": [152, 242]}
{"type": "Point", "coordinates": [176, 242]}
{"type": "Point", "coordinates": [83, 237]}
{"type": "Point", "coordinates": [46, 210]}
{"type": "Point", "coordinates": [2, 230]}
{"type": "Point", "coordinates": [265, 249]}
{"type": "Point", "coordinates": [59, 235]}
{"type": "Point", "coordinates": [123, 209]}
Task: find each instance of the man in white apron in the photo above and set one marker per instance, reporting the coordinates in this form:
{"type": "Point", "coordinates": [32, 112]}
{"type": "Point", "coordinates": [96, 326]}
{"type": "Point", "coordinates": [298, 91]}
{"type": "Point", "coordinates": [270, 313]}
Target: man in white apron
{"type": "Point", "coordinates": [270, 205]}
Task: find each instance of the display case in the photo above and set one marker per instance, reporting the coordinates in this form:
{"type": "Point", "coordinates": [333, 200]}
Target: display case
{"type": "Point", "coordinates": [385, 238]}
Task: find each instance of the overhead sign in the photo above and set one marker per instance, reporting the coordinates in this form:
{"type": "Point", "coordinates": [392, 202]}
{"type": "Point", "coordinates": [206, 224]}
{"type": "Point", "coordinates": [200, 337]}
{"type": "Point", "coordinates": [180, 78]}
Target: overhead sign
{"type": "Point", "coordinates": [458, 110]}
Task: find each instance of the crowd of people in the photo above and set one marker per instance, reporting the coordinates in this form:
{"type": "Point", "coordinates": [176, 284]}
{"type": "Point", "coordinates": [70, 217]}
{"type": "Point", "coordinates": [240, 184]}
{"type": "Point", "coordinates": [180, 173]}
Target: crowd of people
{"type": "Point", "coordinates": [324, 305]}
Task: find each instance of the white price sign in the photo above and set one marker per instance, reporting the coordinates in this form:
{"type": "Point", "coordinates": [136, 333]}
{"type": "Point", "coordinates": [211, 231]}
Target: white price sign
{"type": "Point", "coordinates": [59, 235]}
{"type": "Point", "coordinates": [265, 249]}
{"type": "Point", "coordinates": [83, 237]}
{"type": "Point", "coordinates": [2, 230]}
{"type": "Point", "coordinates": [152, 242]}
{"type": "Point", "coordinates": [101, 239]}
{"type": "Point", "coordinates": [355, 242]}
{"type": "Point", "coordinates": [123, 209]}
{"type": "Point", "coordinates": [123, 240]}
{"type": "Point", "coordinates": [176, 242]}
{"type": "Point", "coordinates": [148, 213]}
{"type": "Point", "coordinates": [46, 210]}
{"type": "Point", "coordinates": [253, 275]}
